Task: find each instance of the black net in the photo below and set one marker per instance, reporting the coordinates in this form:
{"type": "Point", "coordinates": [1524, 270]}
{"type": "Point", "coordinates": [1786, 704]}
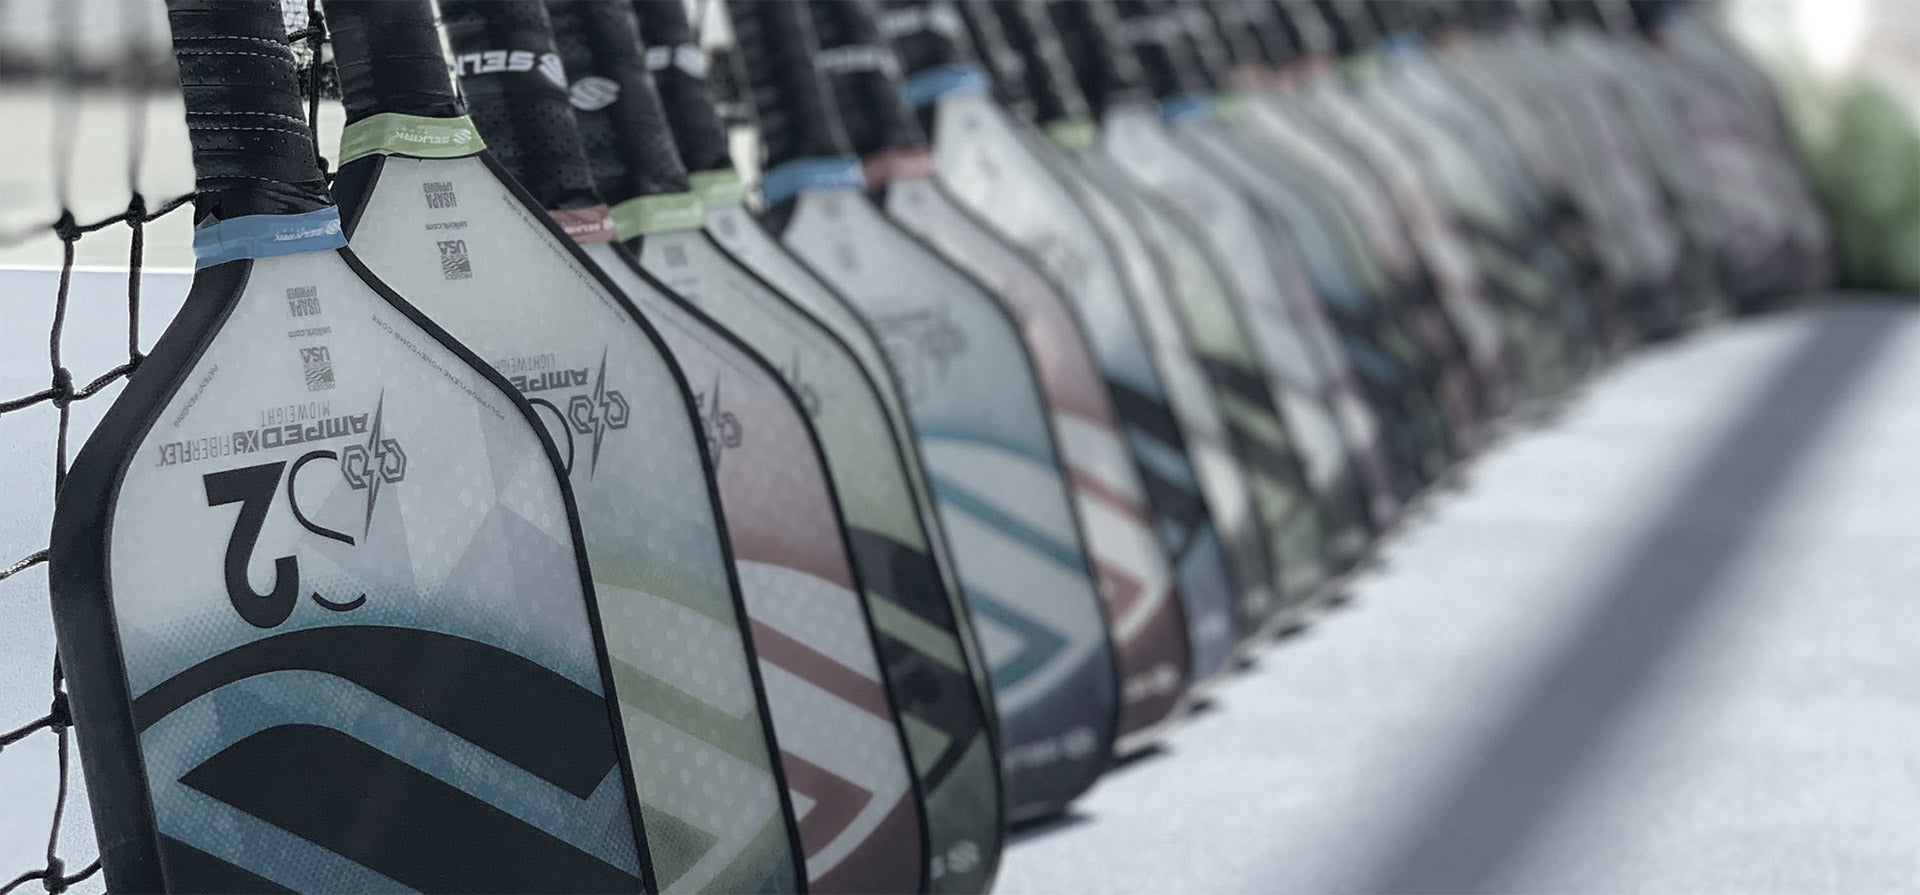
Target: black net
{"type": "Point", "coordinates": [95, 257]}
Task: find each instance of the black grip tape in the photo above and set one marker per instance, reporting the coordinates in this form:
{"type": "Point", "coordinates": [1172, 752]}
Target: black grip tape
{"type": "Point", "coordinates": [1238, 25]}
{"type": "Point", "coordinates": [1049, 73]}
{"type": "Point", "coordinates": [1265, 39]}
{"type": "Point", "coordinates": [252, 149]}
{"type": "Point", "coordinates": [671, 46]}
{"type": "Point", "coordinates": [627, 142]}
{"type": "Point", "coordinates": [1004, 64]}
{"type": "Point", "coordinates": [1347, 26]}
{"type": "Point", "coordinates": [1197, 45]}
{"type": "Point", "coordinates": [797, 113]}
{"type": "Point", "coordinates": [1294, 33]}
{"type": "Point", "coordinates": [1141, 26]}
{"type": "Point", "coordinates": [864, 74]}
{"type": "Point", "coordinates": [389, 57]}
{"type": "Point", "coordinates": [1109, 71]}
{"type": "Point", "coordinates": [503, 50]}
{"type": "Point", "coordinates": [925, 33]}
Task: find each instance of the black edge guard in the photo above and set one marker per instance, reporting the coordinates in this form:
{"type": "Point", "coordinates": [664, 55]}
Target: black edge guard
{"type": "Point", "coordinates": [389, 56]}
{"type": "Point", "coordinates": [621, 127]}
{"type": "Point", "coordinates": [1108, 70]}
{"type": "Point", "coordinates": [798, 116]}
{"type": "Point", "coordinates": [864, 74]}
{"type": "Point", "coordinates": [670, 43]}
{"type": "Point", "coordinates": [1049, 73]}
{"type": "Point", "coordinates": [252, 149]}
{"type": "Point", "coordinates": [514, 84]}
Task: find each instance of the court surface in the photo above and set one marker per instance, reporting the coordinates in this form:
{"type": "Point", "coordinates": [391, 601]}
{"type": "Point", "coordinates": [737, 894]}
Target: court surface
{"type": "Point", "coordinates": [1668, 641]}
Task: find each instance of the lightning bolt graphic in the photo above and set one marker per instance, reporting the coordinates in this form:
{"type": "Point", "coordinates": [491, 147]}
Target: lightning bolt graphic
{"type": "Point", "coordinates": [375, 459]}
{"type": "Point", "coordinates": [600, 405]}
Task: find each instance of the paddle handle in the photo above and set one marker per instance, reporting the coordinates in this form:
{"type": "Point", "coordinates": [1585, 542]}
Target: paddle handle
{"type": "Point", "coordinates": [798, 117]}
{"type": "Point", "coordinates": [621, 124]}
{"type": "Point", "coordinates": [516, 89]}
{"type": "Point", "coordinates": [864, 74]}
{"type": "Point", "coordinates": [390, 60]}
{"type": "Point", "coordinates": [679, 70]}
{"type": "Point", "coordinates": [1048, 72]}
{"type": "Point", "coordinates": [253, 150]}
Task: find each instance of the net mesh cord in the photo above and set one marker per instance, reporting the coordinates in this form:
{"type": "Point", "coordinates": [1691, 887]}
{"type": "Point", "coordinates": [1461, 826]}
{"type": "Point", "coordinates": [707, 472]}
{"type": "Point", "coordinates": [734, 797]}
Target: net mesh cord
{"type": "Point", "coordinates": [77, 53]}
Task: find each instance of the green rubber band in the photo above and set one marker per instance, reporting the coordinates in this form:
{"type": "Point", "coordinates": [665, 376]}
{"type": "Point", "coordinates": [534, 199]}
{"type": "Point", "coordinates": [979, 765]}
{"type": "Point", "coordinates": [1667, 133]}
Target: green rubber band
{"type": "Point", "coordinates": [719, 187]}
{"type": "Point", "coordinates": [1073, 133]}
{"type": "Point", "coordinates": [1229, 106]}
{"type": "Point", "coordinates": [391, 133]}
{"type": "Point", "coordinates": [642, 215]}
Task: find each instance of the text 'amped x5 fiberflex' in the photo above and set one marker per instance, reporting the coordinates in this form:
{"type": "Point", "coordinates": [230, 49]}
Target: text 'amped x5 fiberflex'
{"type": "Point", "coordinates": [1130, 567]}
{"type": "Point", "coordinates": [841, 750]}
{"type": "Point", "coordinates": [948, 723]}
{"type": "Point", "coordinates": [977, 412]}
{"type": "Point", "coordinates": [980, 161]}
{"type": "Point", "coordinates": [433, 210]}
{"type": "Point", "coordinates": [319, 584]}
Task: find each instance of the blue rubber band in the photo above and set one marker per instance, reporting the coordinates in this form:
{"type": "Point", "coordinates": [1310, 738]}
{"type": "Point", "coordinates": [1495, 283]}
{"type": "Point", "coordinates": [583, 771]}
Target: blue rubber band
{"type": "Point", "coordinates": [789, 178]}
{"type": "Point", "coordinates": [268, 236]}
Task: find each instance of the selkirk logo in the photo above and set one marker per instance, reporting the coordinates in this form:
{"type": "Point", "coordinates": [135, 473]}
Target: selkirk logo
{"type": "Point", "coordinates": [721, 426]}
{"type": "Point", "coordinates": [489, 62]}
{"type": "Point", "coordinates": [596, 413]}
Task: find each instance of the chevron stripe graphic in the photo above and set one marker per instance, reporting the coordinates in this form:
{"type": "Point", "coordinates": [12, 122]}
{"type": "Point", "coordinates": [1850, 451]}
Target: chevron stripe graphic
{"type": "Point", "coordinates": [835, 726]}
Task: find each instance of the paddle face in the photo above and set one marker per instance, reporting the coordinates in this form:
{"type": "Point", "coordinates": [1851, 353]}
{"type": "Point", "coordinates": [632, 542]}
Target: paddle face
{"type": "Point", "coordinates": [984, 164]}
{"type": "Point", "coordinates": [1373, 244]}
{"type": "Point", "coordinates": [924, 661]}
{"type": "Point", "coordinates": [1130, 570]}
{"type": "Point", "coordinates": [618, 411]}
{"type": "Point", "coordinates": [978, 415]}
{"type": "Point", "coordinates": [1233, 234]}
{"type": "Point", "coordinates": [1354, 327]}
{"type": "Point", "coordinates": [1500, 220]}
{"type": "Point", "coordinates": [844, 758]}
{"type": "Point", "coordinates": [324, 612]}
{"type": "Point", "coordinates": [1225, 482]}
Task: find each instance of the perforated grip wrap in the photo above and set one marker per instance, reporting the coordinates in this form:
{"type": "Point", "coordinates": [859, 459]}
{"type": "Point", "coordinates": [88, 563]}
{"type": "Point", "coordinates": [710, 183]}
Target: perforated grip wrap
{"type": "Point", "coordinates": [864, 75]}
{"type": "Point", "coordinates": [797, 114]}
{"type": "Point", "coordinates": [679, 70]}
{"type": "Point", "coordinates": [1049, 74]}
{"type": "Point", "coordinates": [252, 150]}
{"type": "Point", "coordinates": [389, 57]}
{"type": "Point", "coordinates": [617, 112]}
{"type": "Point", "coordinates": [1108, 70]}
{"type": "Point", "coordinates": [517, 96]}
